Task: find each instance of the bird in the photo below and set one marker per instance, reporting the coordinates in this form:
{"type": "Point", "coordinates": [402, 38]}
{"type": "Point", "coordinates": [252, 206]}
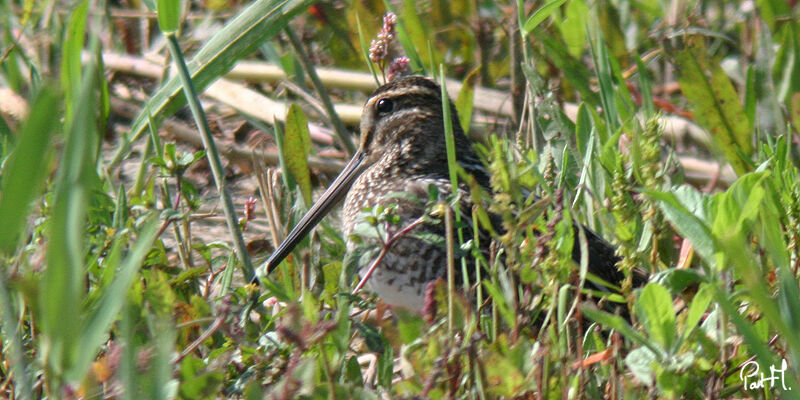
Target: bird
{"type": "Point", "coordinates": [400, 162]}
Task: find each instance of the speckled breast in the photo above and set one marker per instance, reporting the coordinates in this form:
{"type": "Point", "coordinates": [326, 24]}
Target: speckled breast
{"type": "Point", "coordinates": [410, 262]}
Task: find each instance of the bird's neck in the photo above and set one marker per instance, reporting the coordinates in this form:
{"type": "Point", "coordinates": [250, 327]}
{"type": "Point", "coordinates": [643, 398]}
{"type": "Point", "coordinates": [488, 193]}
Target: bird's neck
{"type": "Point", "coordinates": [409, 158]}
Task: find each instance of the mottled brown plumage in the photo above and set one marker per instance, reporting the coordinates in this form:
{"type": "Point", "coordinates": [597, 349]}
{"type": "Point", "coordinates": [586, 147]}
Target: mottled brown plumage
{"type": "Point", "coordinates": [402, 150]}
{"type": "Point", "coordinates": [402, 136]}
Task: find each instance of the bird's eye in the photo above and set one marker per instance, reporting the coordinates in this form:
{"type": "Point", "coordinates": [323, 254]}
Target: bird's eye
{"type": "Point", "coordinates": [384, 106]}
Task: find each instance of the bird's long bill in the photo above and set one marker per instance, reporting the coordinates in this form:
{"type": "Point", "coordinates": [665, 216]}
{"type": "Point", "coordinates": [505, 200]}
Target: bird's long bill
{"type": "Point", "coordinates": [330, 198]}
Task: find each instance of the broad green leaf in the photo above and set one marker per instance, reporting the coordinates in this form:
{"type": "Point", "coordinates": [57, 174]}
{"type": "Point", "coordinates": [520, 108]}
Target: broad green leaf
{"type": "Point", "coordinates": [619, 324]}
{"type": "Point", "coordinates": [640, 363]}
{"type": "Point", "coordinates": [673, 382]}
{"type": "Point", "coordinates": [654, 307]}
{"type": "Point", "coordinates": [700, 302]}
{"type": "Point", "coordinates": [330, 274]}
{"type": "Point", "coordinates": [677, 280]}
{"type": "Point", "coordinates": [738, 207]}
{"type": "Point", "coordinates": [714, 101]}
{"type": "Point", "coordinates": [310, 307]}
{"type": "Point", "coordinates": [296, 146]}
{"type": "Point", "coordinates": [352, 372]}
{"type": "Point", "coordinates": [25, 172]}
{"type": "Point", "coordinates": [239, 38]}
{"type": "Point", "coordinates": [540, 15]}
{"type": "Point", "coordinates": [686, 222]}
{"type": "Point", "coordinates": [504, 378]}
{"type": "Point", "coordinates": [409, 325]}
{"type": "Point", "coordinates": [197, 381]}
{"type": "Point", "coordinates": [465, 99]}
{"type": "Point", "coordinates": [573, 28]}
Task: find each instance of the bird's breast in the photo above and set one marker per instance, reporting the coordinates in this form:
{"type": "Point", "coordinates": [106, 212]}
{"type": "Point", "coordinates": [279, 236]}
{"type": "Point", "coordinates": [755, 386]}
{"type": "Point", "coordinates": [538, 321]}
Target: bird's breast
{"type": "Point", "coordinates": [409, 261]}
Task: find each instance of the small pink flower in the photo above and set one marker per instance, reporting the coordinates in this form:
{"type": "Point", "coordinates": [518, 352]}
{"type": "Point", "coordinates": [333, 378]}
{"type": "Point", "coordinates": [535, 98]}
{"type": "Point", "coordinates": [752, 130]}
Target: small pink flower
{"type": "Point", "coordinates": [397, 68]}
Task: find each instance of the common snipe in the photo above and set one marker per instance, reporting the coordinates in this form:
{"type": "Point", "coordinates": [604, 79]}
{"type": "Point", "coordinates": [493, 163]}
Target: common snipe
{"type": "Point", "coordinates": [402, 150]}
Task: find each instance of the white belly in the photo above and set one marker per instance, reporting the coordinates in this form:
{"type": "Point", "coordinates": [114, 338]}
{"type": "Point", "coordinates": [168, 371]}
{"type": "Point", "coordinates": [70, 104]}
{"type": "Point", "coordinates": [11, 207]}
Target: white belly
{"type": "Point", "coordinates": [395, 289]}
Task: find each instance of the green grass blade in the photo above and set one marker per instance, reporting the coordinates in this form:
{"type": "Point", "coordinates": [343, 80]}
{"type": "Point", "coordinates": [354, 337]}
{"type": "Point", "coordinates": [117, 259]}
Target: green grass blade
{"type": "Point", "coordinates": [24, 174]}
{"type": "Point", "coordinates": [280, 142]}
{"type": "Point", "coordinates": [99, 320]}
{"type": "Point", "coordinates": [416, 31]}
{"type": "Point", "coordinates": [169, 15]}
{"type": "Point", "coordinates": [697, 308]}
{"type": "Point", "coordinates": [750, 96]}
{"type": "Point", "coordinates": [164, 335]}
{"type": "Point", "coordinates": [574, 71]}
{"type": "Point", "coordinates": [212, 155]}
{"type": "Point", "coordinates": [605, 79]}
{"type": "Point", "coordinates": [744, 327]}
{"type": "Point", "coordinates": [646, 87]}
{"type": "Point", "coordinates": [13, 350]}
{"type": "Point", "coordinates": [127, 372]}
{"type": "Point", "coordinates": [540, 15]}
{"type": "Point", "coordinates": [63, 285]}
{"type": "Point", "coordinates": [71, 57]}
{"type": "Point", "coordinates": [448, 134]}
{"type": "Point", "coordinates": [620, 325]}
{"type": "Point", "coordinates": [362, 39]}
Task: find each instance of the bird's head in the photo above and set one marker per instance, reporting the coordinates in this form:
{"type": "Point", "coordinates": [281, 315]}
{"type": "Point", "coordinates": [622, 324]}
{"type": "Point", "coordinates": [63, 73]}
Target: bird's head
{"type": "Point", "coordinates": [401, 127]}
{"type": "Point", "coordinates": [402, 122]}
